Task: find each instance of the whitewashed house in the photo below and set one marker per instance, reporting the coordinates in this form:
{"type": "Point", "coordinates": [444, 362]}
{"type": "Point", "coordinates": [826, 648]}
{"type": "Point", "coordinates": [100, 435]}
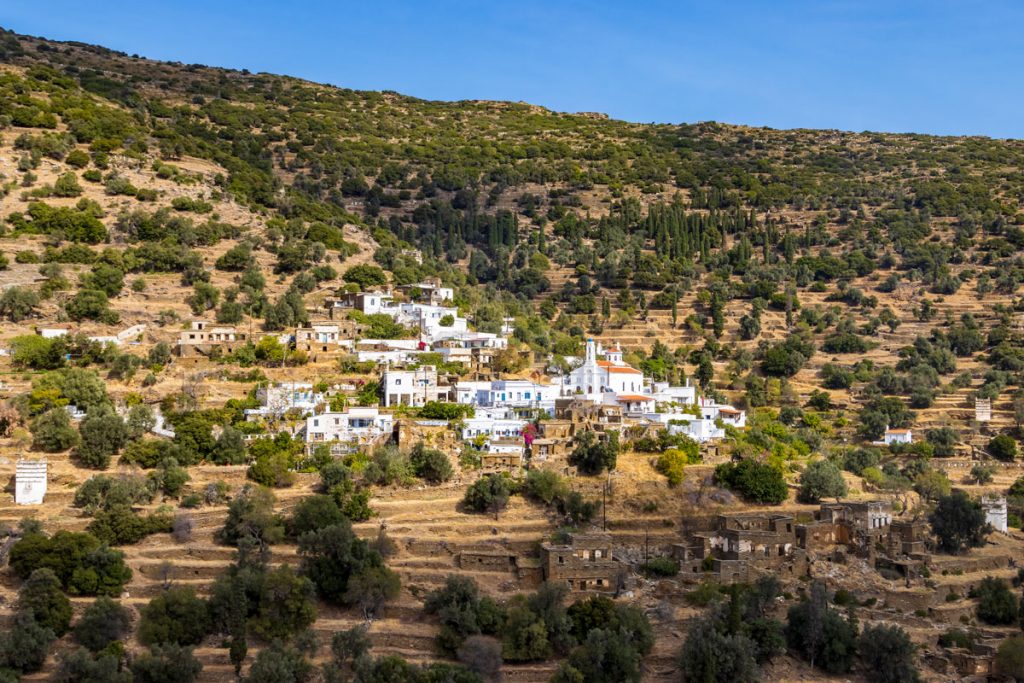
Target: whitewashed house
{"type": "Point", "coordinates": [278, 399]}
{"type": "Point", "coordinates": [727, 414]}
{"type": "Point", "coordinates": [466, 391]}
{"type": "Point", "coordinates": [492, 428]}
{"type": "Point", "coordinates": [707, 426]}
{"type": "Point", "coordinates": [430, 290]}
{"type": "Point", "coordinates": [52, 332]}
{"type": "Point", "coordinates": [433, 322]}
{"type": "Point", "coordinates": [996, 512]}
{"type": "Point", "coordinates": [508, 393]}
{"type": "Point", "coordinates": [368, 302]}
{"type": "Point", "coordinates": [700, 429]}
{"type": "Point", "coordinates": [376, 301]}
{"type": "Point", "coordinates": [668, 395]}
{"type": "Point", "coordinates": [897, 436]}
{"type": "Point", "coordinates": [411, 387]}
{"type": "Point", "coordinates": [30, 482]}
{"type": "Point", "coordinates": [75, 412]}
{"type": "Point", "coordinates": [389, 351]}
{"type": "Point", "coordinates": [353, 427]}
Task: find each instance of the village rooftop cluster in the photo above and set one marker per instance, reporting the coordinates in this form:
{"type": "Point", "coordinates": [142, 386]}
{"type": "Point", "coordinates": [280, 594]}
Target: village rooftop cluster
{"type": "Point", "coordinates": [500, 409]}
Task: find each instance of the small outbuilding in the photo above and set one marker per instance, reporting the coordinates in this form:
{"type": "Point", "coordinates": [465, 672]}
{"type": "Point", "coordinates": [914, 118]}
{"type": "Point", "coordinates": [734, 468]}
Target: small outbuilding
{"type": "Point", "coordinates": [30, 482]}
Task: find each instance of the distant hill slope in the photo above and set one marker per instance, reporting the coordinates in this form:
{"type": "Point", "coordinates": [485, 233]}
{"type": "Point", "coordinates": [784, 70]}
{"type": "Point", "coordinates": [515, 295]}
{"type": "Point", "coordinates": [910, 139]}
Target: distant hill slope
{"type": "Point", "coordinates": [577, 224]}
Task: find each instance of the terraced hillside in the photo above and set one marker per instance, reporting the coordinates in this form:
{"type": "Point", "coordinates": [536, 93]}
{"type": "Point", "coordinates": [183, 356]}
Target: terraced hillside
{"type": "Point", "coordinates": [833, 284]}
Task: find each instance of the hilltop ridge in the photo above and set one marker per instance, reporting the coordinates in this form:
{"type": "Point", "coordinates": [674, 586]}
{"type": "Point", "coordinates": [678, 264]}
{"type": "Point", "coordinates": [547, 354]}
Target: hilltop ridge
{"type": "Point", "coordinates": [835, 287]}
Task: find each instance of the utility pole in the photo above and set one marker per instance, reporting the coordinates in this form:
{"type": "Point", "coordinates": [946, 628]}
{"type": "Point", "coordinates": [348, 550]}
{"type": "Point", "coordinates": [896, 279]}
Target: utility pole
{"type": "Point", "coordinates": [604, 500]}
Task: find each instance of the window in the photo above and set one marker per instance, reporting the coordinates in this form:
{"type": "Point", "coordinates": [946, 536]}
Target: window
{"type": "Point", "coordinates": [398, 382]}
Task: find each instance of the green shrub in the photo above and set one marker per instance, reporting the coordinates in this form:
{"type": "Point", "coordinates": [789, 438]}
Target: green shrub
{"type": "Point", "coordinates": [660, 566]}
{"type": "Point", "coordinates": [758, 482]}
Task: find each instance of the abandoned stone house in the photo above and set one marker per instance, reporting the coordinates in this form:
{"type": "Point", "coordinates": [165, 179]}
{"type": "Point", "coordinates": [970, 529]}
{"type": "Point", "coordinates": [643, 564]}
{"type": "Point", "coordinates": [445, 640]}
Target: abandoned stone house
{"type": "Point", "coordinates": [869, 530]}
{"type": "Point", "coordinates": [433, 433]}
{"type": "Point", "coordinates": [908, 538]}
{"type": "Point", "coordinates": [975, 663]}
{"type": "Point", "coordinates": [545, 449]}
{"type": "Point", "coordinates": [996, 512]}
{"type": "Point", "coordinates": [201, 338]}
{"type": "Point", "coordinates": [741, 547]}
{"type": "Point", "coordinates": [573, 416]}
{"type": "Point", "coordinates": [857, 524]}
{"type": "Point", "coordinates": [584, 415]}
{"type": "Point", "coordinates": [862, 516]}
{"type": "Point", "coordinates": [502, 455]}
{"type": "Point", "coordinates": [554, 441]}
{"type": "Point", "coordinates": [524, 568]}
{"type": "Point", "coordinates": [327, 338]}
{"type": "Point", "coordinates": [556, 429]}
{"type": "Point", "coordinates": [487, 560]}
{"type": "Point", "coordinates": [474, 352]}
{"type": "Point", "coordinates": [584, 563]}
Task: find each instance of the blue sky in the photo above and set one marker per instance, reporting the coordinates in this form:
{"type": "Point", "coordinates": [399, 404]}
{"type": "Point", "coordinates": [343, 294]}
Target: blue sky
{"type": "Point", "coordinates": [927, 66]}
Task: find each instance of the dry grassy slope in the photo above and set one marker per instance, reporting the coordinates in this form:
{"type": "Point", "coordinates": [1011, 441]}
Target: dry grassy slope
{"type": "Point", "coordinates": [953, 408]}
{"type": "Point", "coordinates": [163, 292]}
{"type": "Point", "coordinates": [426, 524]}
{"type": "Point", "coordinates": [428, 530]}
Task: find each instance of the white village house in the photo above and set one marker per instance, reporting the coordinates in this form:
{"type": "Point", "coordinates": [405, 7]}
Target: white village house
{"type": "Point", "coordinates": [353, 427]}
{"type": "Point", "coordinates": [897, 436]}
{"type": "Point", "coordinates": [30, 482]}
{"type": "Point", "coordinates": [411, 387]}
{"type": "Point", "coordinates": [277, 399]}
{"type": "Point", "coordinates": [612, 381]}
{"type": "Point", "coordinates": [996, 512]}
{"type": "Point", "coordinates": [508, 393]}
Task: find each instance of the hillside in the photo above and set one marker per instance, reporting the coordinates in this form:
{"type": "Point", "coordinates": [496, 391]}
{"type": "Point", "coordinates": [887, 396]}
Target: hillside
{"type": "Point", "coordinates": [832, 284]}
